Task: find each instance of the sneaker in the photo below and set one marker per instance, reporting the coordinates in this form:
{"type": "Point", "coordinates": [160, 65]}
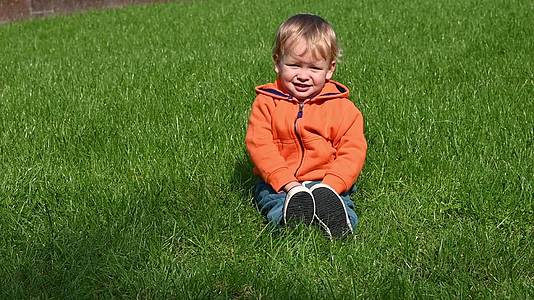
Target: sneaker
{"type": "Point", "coordinates": [299, 206]}
{"type": "Point", "coordinates": [331, 212]}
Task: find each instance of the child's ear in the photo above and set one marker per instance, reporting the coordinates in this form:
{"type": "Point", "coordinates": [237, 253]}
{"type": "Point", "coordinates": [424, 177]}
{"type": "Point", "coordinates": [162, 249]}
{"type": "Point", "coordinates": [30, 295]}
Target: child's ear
{"type": "Point", "coordinates": [276, 69]}
{"type": "Point", "coordinates": [331, 70]}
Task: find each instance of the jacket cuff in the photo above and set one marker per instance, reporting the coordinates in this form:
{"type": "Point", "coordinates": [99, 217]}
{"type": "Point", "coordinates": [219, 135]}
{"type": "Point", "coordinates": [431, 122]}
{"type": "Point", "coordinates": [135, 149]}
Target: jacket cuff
{"type": "Point", "coordinates": [336, 183]}
{"type": "Point", "coordinates": [279, 178]}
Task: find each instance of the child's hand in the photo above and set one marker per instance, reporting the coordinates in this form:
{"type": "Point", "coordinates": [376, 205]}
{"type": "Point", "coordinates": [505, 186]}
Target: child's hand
{"type": "Point", "coordinates": [290, 185]}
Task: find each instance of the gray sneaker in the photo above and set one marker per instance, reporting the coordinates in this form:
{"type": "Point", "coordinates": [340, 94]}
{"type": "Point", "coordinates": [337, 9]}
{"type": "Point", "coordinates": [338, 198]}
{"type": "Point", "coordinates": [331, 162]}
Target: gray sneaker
{"type": "Point", "coordinates": [299, 206]}
{"type": "Point", "coordinates": [331, 212]}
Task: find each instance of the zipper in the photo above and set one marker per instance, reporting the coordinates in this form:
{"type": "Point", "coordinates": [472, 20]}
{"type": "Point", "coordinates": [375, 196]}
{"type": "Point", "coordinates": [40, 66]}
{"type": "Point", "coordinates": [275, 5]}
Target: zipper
{"type": "Point", "coordinates": [300, 113]}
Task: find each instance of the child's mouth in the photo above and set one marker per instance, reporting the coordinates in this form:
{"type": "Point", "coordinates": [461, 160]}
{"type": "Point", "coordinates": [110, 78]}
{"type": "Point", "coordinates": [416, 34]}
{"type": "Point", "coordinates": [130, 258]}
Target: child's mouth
{"type": "Point", "coordinates": [301, 87]}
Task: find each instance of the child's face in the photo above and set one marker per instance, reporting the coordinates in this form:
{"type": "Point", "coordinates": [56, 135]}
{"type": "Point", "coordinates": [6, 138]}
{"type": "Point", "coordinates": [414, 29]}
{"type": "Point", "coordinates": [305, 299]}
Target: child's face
{"type": "Point", "coordinates": [302, 74]}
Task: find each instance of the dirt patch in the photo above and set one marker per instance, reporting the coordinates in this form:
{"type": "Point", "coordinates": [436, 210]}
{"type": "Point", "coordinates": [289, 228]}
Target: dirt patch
{"type": "Point", "coordinates": [11, 10]}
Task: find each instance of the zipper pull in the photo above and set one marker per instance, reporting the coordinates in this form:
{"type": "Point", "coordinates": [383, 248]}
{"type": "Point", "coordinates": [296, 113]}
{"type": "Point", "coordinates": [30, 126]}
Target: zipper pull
{"type": "Point", "coordinates": [301, 112]}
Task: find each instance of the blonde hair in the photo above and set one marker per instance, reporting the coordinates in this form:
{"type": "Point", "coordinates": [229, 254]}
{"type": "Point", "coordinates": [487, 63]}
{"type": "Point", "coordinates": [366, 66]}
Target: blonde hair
{"type": "Point", "coordinates": [318, 34]}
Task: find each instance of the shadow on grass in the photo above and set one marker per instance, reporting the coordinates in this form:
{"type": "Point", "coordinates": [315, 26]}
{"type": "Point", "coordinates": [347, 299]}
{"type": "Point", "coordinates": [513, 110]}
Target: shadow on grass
{"type": "Point", "coordinates": [243, 179]}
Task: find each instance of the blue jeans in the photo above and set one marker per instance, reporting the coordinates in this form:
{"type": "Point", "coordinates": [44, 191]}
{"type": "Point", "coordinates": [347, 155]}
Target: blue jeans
{"type": "Point", "coordinates": [271, 204]}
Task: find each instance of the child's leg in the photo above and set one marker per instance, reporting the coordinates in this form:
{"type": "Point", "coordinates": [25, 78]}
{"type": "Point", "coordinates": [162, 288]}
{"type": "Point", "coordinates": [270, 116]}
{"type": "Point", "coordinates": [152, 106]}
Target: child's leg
{"type": "Point", "coordinates": [269, 202]}
{"type": "Point", "coordinates": [349, 205]}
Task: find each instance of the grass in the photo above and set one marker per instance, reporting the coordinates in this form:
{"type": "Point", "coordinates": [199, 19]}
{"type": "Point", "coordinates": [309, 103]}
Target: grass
{"type": "Point", "coordinates": [123, 171]}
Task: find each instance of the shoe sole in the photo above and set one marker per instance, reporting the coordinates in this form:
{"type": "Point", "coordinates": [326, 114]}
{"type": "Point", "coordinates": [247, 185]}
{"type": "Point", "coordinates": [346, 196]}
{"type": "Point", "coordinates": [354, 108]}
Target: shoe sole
{"type": "Point", "coordinates": [299, 207]}
{"type": "Point", "coordinates": [331, 211]}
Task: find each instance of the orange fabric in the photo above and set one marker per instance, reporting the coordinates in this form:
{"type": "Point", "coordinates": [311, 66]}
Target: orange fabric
{"type": "Point", "coordinates": [326, 143]}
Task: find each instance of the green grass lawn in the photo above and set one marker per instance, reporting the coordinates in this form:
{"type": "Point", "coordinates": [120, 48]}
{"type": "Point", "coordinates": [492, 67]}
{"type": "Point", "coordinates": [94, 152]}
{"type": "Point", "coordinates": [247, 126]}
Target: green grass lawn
{"type": "Point", "coordinates": [123, 170]}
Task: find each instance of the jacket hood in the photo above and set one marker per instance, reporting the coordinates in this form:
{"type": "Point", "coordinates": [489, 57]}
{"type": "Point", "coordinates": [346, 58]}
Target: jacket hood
{"type": "Point", "coordinates": [332, 89]}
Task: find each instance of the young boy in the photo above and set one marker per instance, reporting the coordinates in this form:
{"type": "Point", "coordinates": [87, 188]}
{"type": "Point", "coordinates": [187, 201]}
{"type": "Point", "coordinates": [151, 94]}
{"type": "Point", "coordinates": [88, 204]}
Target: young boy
{"type": "Point", "coordinates": [304, 136]}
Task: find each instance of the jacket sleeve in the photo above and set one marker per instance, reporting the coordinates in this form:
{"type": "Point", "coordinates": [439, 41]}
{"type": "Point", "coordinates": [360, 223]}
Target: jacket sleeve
{"type": "Point", "coordinates": [263, 152]}
{"type": "Point", "coordinates": [351, 148]}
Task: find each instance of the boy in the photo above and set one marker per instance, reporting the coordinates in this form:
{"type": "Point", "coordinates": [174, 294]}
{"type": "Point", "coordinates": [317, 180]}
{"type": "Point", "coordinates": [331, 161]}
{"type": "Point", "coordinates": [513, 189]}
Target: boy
{"type": "Point", "coordinates": [304, 136]}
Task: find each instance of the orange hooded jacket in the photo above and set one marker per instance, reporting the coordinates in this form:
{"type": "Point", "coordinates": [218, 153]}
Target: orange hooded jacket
{"type": "Point", "coordinates": [317, 139]}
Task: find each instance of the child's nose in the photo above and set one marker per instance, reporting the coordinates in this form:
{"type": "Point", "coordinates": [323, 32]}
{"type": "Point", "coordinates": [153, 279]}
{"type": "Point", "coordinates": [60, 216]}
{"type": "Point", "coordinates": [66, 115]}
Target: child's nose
{"type": "Point", "coordinates": [303, 75]}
